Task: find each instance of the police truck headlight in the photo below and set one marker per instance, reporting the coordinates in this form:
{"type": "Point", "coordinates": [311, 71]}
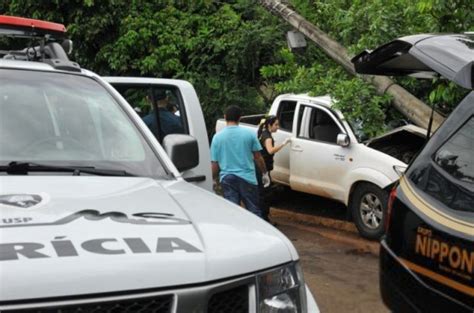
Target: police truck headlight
{"type": "Point", "coordinates": [282, 290]}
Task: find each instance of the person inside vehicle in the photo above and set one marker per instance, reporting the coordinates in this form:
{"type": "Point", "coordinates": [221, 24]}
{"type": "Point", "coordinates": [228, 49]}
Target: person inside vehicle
{"type": "Point", "coordinates": [169, 123]}
{"type": "Point", "coordinates": [172, 108]}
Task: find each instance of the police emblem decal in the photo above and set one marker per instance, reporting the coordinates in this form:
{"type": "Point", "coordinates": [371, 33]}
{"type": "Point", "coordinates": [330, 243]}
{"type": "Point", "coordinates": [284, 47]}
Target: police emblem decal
{"type": "Point", "coordinates": [24, 201]}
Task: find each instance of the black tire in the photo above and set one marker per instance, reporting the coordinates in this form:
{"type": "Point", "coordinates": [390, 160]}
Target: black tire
{"type": "Point", "coordinates": [369, 208]}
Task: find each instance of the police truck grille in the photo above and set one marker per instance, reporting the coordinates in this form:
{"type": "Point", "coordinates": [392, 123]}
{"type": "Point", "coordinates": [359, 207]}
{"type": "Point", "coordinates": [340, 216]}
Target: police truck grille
{"type": "Point", "coordinates": [230, 301]}
{"type": "Point", "coordinates": [161, 304]}
{"type": "Point", "coordinates": [233, 296]}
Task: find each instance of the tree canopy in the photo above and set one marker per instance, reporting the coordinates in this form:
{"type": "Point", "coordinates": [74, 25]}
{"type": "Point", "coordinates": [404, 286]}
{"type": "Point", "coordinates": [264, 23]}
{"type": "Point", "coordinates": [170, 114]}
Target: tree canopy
{"type": "Point", "coordinates": [360, 25]}
{"type": "Point", "coordinates": [234, 52]}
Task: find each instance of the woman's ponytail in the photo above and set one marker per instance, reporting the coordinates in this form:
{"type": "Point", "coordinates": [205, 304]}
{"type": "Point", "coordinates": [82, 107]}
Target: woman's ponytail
{"type": "Point", "coordinates": [261, 125]}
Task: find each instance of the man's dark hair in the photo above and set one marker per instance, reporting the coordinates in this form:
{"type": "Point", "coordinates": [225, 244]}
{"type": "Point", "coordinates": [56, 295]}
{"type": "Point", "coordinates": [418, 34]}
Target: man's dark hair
{"type": "Point", "coordinates": [233, 113]}
{"type": "Point", "coordinates": [159, 94]}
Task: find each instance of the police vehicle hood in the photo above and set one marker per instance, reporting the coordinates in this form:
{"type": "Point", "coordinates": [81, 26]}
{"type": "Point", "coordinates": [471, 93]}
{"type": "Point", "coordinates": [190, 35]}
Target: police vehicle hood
{"type": "Point", "coordinates": [70, 235]}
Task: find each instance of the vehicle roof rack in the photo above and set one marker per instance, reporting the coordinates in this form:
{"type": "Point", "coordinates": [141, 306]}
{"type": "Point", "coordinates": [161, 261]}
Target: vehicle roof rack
{"type": "Point", "coordinates": [48, 34]}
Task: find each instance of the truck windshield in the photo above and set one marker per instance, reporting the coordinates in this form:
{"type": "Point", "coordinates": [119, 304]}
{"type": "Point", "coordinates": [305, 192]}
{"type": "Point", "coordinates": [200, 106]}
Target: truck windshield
{"type": "Point", "coordinates": [68, 120]}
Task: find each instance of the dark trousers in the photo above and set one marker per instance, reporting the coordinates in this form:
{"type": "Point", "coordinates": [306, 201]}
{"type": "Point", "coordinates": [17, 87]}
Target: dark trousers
{"type": "Point", "coordinates": [263, 195]}
{"type": "Point", "coordinates": [236, 189]}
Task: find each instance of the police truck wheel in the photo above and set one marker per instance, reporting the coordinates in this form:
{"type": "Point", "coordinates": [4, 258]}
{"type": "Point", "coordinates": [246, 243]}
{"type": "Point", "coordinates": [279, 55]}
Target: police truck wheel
{"type": "Point", "coordinates": [369, 206]}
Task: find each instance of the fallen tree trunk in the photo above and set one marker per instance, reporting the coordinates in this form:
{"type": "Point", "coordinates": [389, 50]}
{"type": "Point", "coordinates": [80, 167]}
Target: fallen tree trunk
{"type": "Point", "coordinates": [410, 106]}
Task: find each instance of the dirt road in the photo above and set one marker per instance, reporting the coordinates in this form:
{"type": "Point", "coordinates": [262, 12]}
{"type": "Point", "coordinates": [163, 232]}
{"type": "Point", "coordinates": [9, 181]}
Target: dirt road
{"type": "Point", "coordinates": [342, 276]}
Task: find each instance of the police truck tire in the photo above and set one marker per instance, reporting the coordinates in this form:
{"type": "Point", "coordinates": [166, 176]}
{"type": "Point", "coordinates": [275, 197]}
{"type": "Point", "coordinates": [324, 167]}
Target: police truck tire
{"type": "Point", "coordinates": [369, 207]}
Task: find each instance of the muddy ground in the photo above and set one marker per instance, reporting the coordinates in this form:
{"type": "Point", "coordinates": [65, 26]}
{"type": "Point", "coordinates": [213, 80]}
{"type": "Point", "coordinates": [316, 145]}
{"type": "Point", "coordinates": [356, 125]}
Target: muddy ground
{"type": "Point", "coordinates": [340, 267]}
{"type": "Point", "coordinates": [341, 276]}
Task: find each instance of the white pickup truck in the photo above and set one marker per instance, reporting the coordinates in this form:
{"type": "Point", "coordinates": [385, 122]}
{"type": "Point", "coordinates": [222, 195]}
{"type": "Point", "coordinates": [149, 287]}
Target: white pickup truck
{"type": "Point", "coordinates": [325, 157]}
{"type": "Point", "coordinates": [95, 215]}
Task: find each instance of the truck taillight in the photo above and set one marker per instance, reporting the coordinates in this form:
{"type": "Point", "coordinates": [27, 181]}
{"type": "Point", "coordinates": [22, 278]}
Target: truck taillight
{"type": "Point", "coordinates": [391, 199]}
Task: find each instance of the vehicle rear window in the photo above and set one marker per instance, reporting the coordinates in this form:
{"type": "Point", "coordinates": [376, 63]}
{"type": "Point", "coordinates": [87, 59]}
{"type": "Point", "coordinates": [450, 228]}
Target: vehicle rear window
{"type": "Point", "coordinates": [456, 157]}
{"type": "Point", "coordinates": [286, 113]}
{"type": "Point", "coordinates": [451, 179]}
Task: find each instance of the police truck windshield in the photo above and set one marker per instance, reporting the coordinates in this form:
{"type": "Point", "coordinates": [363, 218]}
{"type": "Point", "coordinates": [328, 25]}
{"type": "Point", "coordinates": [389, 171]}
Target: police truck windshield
{"type": "Point", "coordinates": [68, 120]}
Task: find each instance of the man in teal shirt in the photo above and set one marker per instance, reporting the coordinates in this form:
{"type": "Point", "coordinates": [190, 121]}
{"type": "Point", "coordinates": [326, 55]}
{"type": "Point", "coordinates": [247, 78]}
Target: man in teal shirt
{"type": "Point", "coordinates": [233, 152]}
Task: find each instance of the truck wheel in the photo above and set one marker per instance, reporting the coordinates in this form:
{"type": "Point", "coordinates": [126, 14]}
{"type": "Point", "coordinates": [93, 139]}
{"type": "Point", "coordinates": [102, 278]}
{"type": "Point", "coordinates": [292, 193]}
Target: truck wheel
{"type": "Point", "coordinates": [369, 206]}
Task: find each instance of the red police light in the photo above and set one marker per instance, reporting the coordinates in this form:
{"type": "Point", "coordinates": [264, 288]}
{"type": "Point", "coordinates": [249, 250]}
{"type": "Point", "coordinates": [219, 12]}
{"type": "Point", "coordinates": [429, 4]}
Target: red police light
{"type": "Point", "coordinates": [20, 22]}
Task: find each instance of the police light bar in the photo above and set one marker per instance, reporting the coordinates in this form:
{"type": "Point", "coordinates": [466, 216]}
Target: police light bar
{"type": "Point", "coordinates": [53, 46]}
{"type": "Point", "coordinates": [19, 26]}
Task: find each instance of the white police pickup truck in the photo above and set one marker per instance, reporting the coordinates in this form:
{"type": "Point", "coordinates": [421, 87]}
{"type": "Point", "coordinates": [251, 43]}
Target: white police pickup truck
{"type": "Point", "coordinates": [95, 215]}
{"type": "Point", "coordinates": [325, 157]}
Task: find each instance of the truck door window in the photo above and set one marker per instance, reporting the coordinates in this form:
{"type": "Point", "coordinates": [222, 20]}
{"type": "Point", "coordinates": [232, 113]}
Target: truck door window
{"type": "Point", "coordinates": [286, 113]}
{"type": "Point", "coordinates": [317, 124]}
{"type": "Point", "coordinates": [160, 107]}
{"type": "Point", "coordinates": [323, 127]}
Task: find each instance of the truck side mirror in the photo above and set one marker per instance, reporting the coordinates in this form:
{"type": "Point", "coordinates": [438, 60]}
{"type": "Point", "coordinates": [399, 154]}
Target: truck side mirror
{"type": "Point", "coordinates": [343, 140]}
{"type": "Point", "coordinates": [182, 150]}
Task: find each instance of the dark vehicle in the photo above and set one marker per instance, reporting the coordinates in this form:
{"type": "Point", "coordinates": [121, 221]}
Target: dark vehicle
{"type": "Point", "coordinates": [427, 253]}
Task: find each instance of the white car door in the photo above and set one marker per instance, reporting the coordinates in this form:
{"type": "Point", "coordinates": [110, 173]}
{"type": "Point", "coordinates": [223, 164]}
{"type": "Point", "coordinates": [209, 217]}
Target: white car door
{"type": "Point", "coordinates": [317, 163]}
{"type": "Point", "coordinates": [185, 107]}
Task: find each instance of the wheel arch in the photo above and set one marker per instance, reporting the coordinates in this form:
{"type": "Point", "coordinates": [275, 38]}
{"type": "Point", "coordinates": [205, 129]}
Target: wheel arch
{"type": "Point", "coordinates": [365, 176]}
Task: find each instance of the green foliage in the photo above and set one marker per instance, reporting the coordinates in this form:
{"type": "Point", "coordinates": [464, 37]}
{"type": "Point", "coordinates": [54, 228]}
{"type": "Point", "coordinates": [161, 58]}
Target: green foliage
{"type": "Point", "coordinates": [359, 102]}
{"type": "Point", "coordinates": [90, 24]}
{"type": "Point", "coordinates": [447, 15]}
{"type": "Point", "coordinates": [233, 51]}
{"type": "Point", "coordinates": [218, 46]}
{"type": "Point", "coordinates": [366, 24]}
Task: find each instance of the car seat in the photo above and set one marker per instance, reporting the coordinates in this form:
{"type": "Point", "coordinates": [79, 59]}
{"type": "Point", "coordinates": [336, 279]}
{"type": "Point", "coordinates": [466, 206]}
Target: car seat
{"type": "Point", "coordinates": [325, 128]}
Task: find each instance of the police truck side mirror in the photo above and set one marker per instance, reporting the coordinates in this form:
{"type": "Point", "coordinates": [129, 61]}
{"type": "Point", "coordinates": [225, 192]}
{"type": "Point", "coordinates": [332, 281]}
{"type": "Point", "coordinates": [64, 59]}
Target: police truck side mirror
{"type": "Point", "coordinates": [182, 150]}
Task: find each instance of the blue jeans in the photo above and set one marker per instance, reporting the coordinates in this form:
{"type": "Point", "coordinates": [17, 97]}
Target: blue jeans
{"type": "Point", "coordinates": [236, 189]}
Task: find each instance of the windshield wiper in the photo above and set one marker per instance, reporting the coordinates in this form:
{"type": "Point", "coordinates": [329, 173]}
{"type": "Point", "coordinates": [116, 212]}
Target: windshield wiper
{"type": "Point", "coordinates": [23, 168]}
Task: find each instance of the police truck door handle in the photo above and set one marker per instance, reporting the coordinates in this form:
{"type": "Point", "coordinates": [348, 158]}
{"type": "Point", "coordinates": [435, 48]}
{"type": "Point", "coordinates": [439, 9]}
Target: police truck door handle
{"type": "Point", "coordinates": [297, 149]}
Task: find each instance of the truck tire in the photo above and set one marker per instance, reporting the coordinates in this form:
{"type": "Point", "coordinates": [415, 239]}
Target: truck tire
{"type": "Point", "coordinates": [369, 207]}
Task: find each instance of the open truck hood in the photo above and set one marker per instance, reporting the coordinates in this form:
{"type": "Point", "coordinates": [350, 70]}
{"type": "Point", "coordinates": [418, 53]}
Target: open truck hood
{"type": "Point", "coordinates": [450, 55]}
{"type": "Point", "coordinates": [402, 143]}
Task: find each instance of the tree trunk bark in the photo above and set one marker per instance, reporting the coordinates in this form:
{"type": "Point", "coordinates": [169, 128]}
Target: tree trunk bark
{"type": "Point", "coordinates": [410, 106]}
